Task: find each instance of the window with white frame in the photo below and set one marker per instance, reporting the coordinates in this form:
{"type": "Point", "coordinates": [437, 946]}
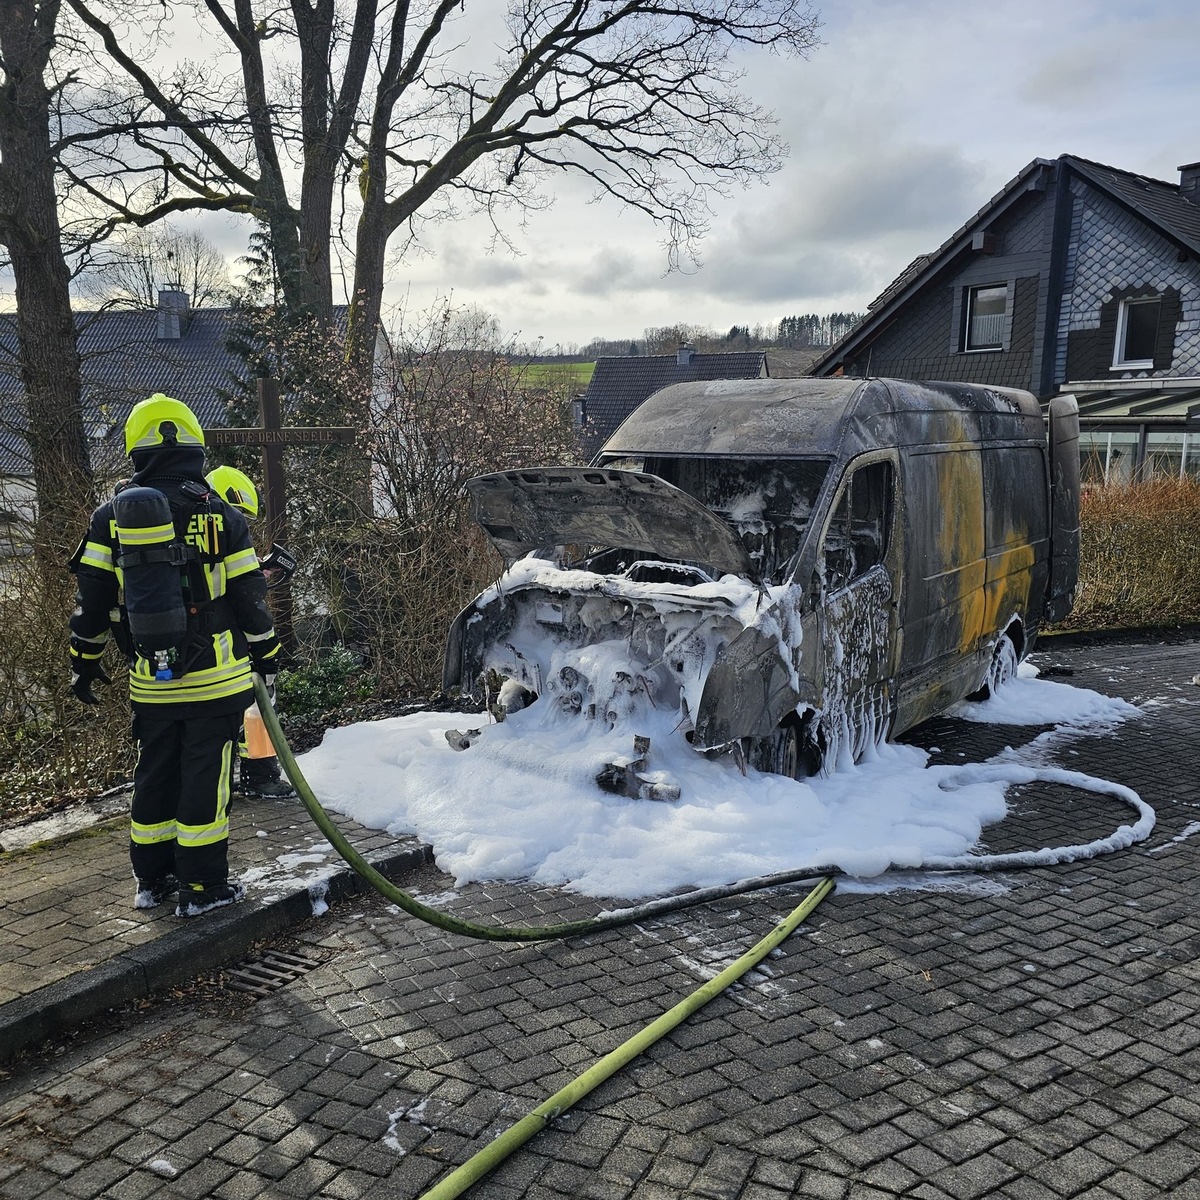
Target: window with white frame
{"type": "Point", "coordinates": [1191, 455]}
{"type": "Point", "coordinates": [1137, 332]}
{"type": "Point", "coordinates": [987, 307]}
{"type": "Point", "coordinates": [1108, 457]}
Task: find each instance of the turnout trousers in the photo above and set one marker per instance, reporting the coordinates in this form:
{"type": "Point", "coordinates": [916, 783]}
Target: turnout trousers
{"type": "Point", "coordinates": [179, 823]}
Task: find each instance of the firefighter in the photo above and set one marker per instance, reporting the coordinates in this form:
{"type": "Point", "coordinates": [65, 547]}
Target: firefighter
{"type": "Point", "coordinates": [256, 776]}
{"type": "Point", "coordinates": [187, 699]}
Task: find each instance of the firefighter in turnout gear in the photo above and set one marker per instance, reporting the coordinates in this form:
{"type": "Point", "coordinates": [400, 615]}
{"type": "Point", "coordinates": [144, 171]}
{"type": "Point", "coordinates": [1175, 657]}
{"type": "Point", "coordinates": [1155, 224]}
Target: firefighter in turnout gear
{"type": "Point", "coordinates": [261, 775]}
{"type": "Point", "coordinates": [167, 567]}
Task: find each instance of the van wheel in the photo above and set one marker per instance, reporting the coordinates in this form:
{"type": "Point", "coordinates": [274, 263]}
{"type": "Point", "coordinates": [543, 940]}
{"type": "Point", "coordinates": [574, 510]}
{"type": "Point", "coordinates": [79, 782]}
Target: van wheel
{"type": "Point", "coordinates": [792, 751]}
{"type": "Point", "coordinates": [1001, 670]}
{"type": "Point", "coordinates": [811, 759]}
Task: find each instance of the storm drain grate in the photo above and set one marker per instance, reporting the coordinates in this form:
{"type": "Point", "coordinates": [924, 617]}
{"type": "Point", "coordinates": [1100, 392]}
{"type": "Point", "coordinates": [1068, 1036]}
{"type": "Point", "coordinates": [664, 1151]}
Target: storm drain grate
{"type": "Point", "coordinates": [271, 970]}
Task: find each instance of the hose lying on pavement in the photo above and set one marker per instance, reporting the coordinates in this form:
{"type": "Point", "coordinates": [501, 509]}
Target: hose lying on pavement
{"type": "Point", "coordinates": [493, 1154]}
{"type": "Point", "coordinates": [1127, 835]}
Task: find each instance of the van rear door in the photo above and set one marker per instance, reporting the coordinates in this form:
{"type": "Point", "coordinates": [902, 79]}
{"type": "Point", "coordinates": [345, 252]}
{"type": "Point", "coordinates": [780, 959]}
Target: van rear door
{"type": "Point", "coordinates": [1064, 507]}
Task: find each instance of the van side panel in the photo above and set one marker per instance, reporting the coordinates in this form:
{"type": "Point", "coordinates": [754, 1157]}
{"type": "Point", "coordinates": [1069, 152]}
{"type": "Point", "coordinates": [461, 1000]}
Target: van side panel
{"type": "Point", "coordinates": [1016, 532]}
{"type": "Point", "coordinates": [944, 607]}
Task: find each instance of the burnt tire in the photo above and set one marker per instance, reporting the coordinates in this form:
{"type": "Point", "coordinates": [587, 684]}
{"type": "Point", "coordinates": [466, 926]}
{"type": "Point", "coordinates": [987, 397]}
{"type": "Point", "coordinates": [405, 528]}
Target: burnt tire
{"type": "Point", "coordinates": [793, 751]}
{"type": "Point", "coordinates": [1001, 670]}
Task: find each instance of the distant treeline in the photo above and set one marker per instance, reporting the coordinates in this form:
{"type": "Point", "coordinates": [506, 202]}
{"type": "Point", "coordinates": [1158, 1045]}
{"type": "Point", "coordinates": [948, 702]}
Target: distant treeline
{"type": "Point", "coordinates": [812, 330]}
{"type": "Point", "coordinates": [798, 332]}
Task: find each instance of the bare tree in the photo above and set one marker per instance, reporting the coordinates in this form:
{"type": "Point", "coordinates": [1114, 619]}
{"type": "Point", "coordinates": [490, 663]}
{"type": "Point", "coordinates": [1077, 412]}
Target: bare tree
{"type": "Point", "coordinates": [390, 116]}
{"type": "Point", "coordinates": [131, 268]}
{"type": "Point", "coordinates": [455, 401]}
{"type": "Point", "coordinates": [30, 232]}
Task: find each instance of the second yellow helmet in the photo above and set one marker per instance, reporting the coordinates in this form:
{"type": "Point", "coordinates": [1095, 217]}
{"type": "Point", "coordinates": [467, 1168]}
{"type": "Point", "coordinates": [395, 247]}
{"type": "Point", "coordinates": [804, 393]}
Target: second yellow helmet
{"type": "Point", "coordinates": [236, 487]}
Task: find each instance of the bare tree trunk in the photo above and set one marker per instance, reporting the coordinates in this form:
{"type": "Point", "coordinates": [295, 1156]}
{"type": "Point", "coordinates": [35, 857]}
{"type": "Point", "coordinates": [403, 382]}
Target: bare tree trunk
{"type": "Point", "coordinates": [29, 227]}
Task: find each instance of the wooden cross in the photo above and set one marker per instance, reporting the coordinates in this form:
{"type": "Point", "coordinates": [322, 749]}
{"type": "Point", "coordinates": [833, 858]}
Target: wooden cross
{"type": "Point", "coordinates": [272, 435]}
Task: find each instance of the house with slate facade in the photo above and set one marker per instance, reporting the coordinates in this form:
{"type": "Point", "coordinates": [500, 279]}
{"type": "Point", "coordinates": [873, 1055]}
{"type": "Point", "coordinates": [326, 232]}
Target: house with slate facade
{"type": "Point", "coordinates": [126, 355]}
{"type": "Point", "coordinates": [1075, 278]}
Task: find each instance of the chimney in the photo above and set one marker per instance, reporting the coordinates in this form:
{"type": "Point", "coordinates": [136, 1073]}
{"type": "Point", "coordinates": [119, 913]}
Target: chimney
{"type": "Point", "coordinates": [1189, 182]}
{"type": "Point", "coordinates": [683, 356]}
{"type": "Point", "coordinates": [174, 312]}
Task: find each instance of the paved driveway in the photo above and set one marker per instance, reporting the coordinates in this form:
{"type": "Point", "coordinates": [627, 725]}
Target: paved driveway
{"type": "Point", "coordinates": [1033, 1035]}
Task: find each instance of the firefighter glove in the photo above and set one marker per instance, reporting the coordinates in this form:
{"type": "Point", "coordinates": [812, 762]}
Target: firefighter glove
{"type": "Point", "coordinates": [86, 670]}
{"type": "Point", "coordinates": [265, 655]}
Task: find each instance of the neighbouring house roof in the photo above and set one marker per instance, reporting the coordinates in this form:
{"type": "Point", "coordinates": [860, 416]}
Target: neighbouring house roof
{"type": "Point", "coordinates": [127, 355]}
{"type": "Point", "coordinates": [124, 360]}
{"type": "Point", "coordinates": [619, 385]}
{"type": "Point", "coordinates": [1160, 204]}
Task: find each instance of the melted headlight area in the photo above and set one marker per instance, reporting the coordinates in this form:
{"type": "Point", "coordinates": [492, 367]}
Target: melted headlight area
{"type": "Point", "coordinates": [600, 657]}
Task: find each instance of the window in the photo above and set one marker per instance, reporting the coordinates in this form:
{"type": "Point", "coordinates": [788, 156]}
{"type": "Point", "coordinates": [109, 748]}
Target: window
{"type": "Point", "coordinates": [1175, 455]}
{"type": "Point", "coordinates": [1191, 455]}
{"type": "Point", "coordinates": [1137, 332]}
{"type": "Point", "coordinates": [857, 537]}
{"type": "Point", "coordinates": [1164, 454]}
{"type": "Point", "coordinates": [987, 308]}
{"type": "Point", "coordinates": [1107, 457]}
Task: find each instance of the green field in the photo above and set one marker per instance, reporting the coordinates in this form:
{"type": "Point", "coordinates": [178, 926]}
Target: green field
{"type": "Point", "coordinates": [576, 374]}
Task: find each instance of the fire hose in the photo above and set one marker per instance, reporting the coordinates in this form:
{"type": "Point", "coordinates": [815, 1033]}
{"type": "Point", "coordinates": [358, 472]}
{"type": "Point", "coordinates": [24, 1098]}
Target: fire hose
{"type": "Point", "coordinates": [485, 1160]}
{"type": "Point", "coordinates": [1125, 836]}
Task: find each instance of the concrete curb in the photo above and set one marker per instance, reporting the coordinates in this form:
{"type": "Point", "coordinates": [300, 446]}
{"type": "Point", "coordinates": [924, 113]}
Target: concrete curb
{"type": "Point", "coordinates": [186, 950]}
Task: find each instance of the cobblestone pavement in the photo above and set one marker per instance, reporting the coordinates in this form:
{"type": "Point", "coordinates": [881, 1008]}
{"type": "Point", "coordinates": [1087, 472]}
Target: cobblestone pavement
{"type": "Point", "coordinates": [1034, 1035]}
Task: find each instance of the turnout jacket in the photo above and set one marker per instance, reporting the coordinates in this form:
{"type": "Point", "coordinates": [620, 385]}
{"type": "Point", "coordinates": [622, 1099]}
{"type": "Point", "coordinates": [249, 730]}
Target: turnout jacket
{"type": "Point", "coordinates": [230, 630]}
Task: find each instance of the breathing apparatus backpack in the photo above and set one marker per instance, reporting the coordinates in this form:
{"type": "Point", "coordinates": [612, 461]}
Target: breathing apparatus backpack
{"type": "Point", "coordinates": [163, 593]}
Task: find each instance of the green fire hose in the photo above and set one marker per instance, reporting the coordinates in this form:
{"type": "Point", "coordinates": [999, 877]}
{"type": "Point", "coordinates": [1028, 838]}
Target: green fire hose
{"type": "Point", "coordinates": [476, 1167]}
{"type": "Point", "coordinates": [495, 933]}
{"type": "Point", "coordinates": [480, 1164]}
{"type": "Point", "coordinates": [1124, 837]}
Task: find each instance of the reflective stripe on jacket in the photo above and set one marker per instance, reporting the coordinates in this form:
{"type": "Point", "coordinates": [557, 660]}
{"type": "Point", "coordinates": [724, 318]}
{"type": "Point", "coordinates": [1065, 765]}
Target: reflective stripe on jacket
{"type": "Point", "coordinates": [227, 622]}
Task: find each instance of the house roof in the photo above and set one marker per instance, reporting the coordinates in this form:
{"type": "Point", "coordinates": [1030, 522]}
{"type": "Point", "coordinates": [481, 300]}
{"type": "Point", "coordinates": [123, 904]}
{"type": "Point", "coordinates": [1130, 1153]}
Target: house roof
{"type": "Point", "coordinates": [1101, 403]}
{"type": "Point", "coordinates": [1160, 204]}
{"type": "Point", "coordinates": [123, 361]}
{"type": "Point", "coordinates": [619, 385]}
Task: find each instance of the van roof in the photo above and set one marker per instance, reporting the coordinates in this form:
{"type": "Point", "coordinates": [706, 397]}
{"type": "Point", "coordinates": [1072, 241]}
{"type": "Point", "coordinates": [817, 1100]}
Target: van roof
{"type": "Point", "coordinates": [776, 418]}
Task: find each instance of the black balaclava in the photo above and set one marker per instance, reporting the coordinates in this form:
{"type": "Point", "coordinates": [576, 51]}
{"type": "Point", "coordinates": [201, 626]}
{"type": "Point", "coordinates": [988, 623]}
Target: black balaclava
{"type": "Point", "coordinates": [167, 461]}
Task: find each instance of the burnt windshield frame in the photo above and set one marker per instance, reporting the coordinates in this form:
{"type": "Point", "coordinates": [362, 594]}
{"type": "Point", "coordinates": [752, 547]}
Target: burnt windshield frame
{"type": "Point", "coordinates": [768, 501]}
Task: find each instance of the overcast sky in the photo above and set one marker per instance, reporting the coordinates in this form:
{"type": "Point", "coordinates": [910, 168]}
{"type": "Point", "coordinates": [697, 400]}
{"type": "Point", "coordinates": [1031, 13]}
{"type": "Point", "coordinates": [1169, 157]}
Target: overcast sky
{"type": "Point", "coordinates": [909, 117]}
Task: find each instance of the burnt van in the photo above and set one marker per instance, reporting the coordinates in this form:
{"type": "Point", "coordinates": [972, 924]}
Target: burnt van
{"type": "Point", "coordinates": [796, 569]}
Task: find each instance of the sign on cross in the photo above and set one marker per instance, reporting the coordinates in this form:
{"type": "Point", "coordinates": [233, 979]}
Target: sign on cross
{"type": "Point", "coordinates": [272, 436]}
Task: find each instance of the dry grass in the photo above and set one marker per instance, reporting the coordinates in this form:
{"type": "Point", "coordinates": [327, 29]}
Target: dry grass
{"type": "Point", "coordinates": [52, 748]}
{"type": "Point", "coordinates": [1139, 558]}
{"type": "Point", "coordinates": [396, 590]}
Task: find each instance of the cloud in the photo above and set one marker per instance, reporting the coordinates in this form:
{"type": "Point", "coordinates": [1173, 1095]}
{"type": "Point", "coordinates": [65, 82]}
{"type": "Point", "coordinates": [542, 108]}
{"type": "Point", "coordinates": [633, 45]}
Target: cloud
{"type": "Point", "coordinates": [906, 120]}
{"type": "Point", "coordinates": [869, 193]}
{"type": "Point", "coordinates": [611, 269]}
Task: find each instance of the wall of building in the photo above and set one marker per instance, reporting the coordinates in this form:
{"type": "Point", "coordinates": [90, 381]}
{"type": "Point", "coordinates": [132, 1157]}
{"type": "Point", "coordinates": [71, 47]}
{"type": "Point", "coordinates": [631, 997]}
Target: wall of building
{"type": "Point", "coordinates": [925, 342]}
{"type": "Point", "coordinates": [1113, 254]}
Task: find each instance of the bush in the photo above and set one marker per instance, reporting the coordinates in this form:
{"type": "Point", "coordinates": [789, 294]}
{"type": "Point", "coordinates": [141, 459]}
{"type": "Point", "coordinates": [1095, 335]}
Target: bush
{"type": "Point", "coordinates": [1139, 556]}
{"type": "Point", "coordinates": [335, 678]}
{"type": "Point", "coordinates": [52, 748]}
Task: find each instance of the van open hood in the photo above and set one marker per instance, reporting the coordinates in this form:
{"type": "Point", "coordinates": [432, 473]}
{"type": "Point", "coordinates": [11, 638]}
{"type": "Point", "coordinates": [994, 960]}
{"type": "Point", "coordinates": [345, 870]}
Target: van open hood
{"type": "Point", "coordinates": [589, 506]}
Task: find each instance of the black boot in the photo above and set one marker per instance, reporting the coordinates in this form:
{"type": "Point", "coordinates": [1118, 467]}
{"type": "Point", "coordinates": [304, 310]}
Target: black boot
{"type": "Point", "coordinates": [262, 777]}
